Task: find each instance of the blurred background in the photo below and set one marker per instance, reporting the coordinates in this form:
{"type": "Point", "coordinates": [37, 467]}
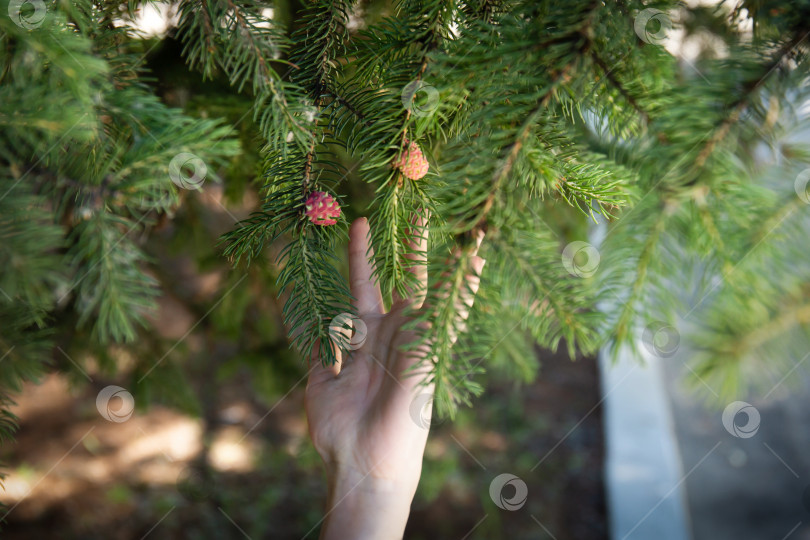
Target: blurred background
{"type": "Point", "coordinates": [216, 445]}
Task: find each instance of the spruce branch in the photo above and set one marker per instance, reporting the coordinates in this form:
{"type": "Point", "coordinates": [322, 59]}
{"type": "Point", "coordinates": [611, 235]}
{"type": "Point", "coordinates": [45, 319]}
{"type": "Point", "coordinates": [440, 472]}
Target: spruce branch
{"type": "Point", "coordinates": [783, 210]}
{"type": "Point", "coordinates": [440, 326]}
{"type": "Point", "coordinates": [611, 76]}
{"type": "Point", "coordinates": [624, 326]}
{"type": "Point", "coordinates": [532, 126]}
{"type": "Point", "coordinates": [399, 199]}
{"type": "Point", "coordinates": [316, 291]}
{"type": "Point", "coordinates": [790, 317]}
{"type": "Point", "coordinates": [513, 150]}
{"type": "Point", "coordinates": [238, 39]}
{"type": "Point", "coordinates": [350, 107]}
{"type": "Point", "coordinates": [737, 108]}
{"type": "Point", "coordinates": [558, 304]}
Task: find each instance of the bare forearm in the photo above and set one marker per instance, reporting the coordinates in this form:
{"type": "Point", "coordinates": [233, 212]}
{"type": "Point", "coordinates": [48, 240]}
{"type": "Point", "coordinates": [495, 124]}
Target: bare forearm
{"type": "Point", "coordinates": [363, 507]}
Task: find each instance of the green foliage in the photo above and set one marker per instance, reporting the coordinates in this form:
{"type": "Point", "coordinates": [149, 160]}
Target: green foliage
{"type": "Point", "coordinates": [537, 119]}
{"type": "Point", "coordinates": [84, 171]}
{"type": "Point", "coordinates": [239, 39]}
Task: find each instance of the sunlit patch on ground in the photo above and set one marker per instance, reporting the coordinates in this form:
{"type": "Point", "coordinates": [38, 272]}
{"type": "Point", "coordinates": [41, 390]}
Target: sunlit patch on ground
{"type": "Point", "coordinates": [73, 471]}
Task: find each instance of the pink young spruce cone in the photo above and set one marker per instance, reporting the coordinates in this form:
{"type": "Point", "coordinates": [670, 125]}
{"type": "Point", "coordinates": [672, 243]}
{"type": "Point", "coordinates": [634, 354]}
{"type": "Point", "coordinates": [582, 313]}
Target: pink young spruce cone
{"type": "Point", "coordinates": [412, 162]}
{"type": "Point", "coordinates": [322, 208]}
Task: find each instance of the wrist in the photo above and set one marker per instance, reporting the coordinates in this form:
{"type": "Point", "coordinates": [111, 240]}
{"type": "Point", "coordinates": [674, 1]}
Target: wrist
{"type": "Point", "coordinates": [361, 505]}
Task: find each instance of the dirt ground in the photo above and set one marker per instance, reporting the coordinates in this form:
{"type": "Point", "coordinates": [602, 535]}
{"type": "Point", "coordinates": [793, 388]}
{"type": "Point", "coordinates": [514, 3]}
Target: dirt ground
{"type": "Point", "coordinates": [73, 474]}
